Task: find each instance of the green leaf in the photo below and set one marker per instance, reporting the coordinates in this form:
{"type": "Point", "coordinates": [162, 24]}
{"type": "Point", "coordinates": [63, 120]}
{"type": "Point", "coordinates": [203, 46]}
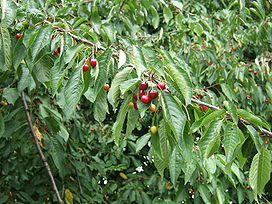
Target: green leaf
{"type": "Point", "coordinates": [189, 169]}
{"type": "Point", "coordinates": [132, 120]}
{"type": "Point", "coordinates": [142, 141]}
{"type": "Point", "coordinates": [96, 19]}
{"type": "Point", "coordinates": [41, 40]}
{"type": "Point", "coordinates": [167, 13]}
{"type": "Point", "coordinates": [139, 61]}
{"type": "Point", "coordinates": [207, 119]}
{"type": "Point", "coordinates": [42, 69]}
{"type": "Point", "coordinates": [2, 125]}
{"type": "Point", "coordinates": [102, 77]}
{"type": "Point", "coordinates": [72, 92]}
{"type": "Point", "coordinates": [25, 79]}
{"type": "Point", "coordinates": [122, 58]}
{"type": "Point", "coordinates": [101, 106]}
{"type": "Point", "coordinates": [175, 116]}
{"type": "Point", "coordinates": [255, 137]}
{"type": "Point", "coordinates": [260, 170]}
{"type": "Point", "coordinates": [4, 198]}
{"type": "Point", "coordinates": [205, 193]}
{"type": "Point", "coordinates": [57, 155]}
{"type": "Point", "coordinates": [155, 141]}
{"type": "Point", "coordinates": [11, 95]}
{"type": "Point", "coordinates": [198, 29]}
{"type": "Point", "coordinates": [72, 52]}
{"type": "Point", "coordinates": [155, 17]}
{"type": "Point", "coordinates": [128, 85]}
{"type": "Point", "coordinates": [228, 92]}
{"type": "Point", "coordinates": [110, 31]}
{"type": "Point", "coordinates": [252, 118]}
{"type": "Point", "coordinates": [145, 197]}
{"type": "Point", "coordinates": [6, 49]}
{"type": "Point", "coordinates": [175, 163]}
{"type": "Point", "coordinates": [209, 142]}
{"type": "Point", "coordinates": [182, 82]}
{"type": "Point", "coordinates": [160, 164]}
{"type": "Point", "coordinates": [3, 8]}
{"type": "Point", "coordinates": [9, 9]}
{"type": "Point", "coordinates": [231, 141]}
{"type": "Point", "coordinates": [63, 132]}
{"type": "Point", "coordinates": [118, 125]}
{"type": "Point", "coordinates": [177, 4]}
{"type": "Point", "coordinates": [19, 53]}
{"type": "Point", "coordinates": [232, 110]}
{"type": "Point", "coordinates": [164, 132]}
{"type": "Point", "coordinates": [221, 163]}
{"type": "Point", "coordinates": [115, 92]}
{"type": "Point", "coordinates": [57, 74]}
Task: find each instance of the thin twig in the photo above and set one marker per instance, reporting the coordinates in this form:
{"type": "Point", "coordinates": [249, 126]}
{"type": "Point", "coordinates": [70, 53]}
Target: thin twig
{"type": "Point", "coordinates": [210, 86]}
{"type": "Point", "coordinates": [39, 148]}
{"type": "Point", "coordinates": [85, 41]}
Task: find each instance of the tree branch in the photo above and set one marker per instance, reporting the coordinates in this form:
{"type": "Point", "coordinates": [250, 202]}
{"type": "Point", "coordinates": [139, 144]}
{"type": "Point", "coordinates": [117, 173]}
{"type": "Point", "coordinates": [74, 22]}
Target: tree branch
{"type": "Point", "coordinates": [241, 119]}
{"type": "Point", "coordinates": [267, 132]}
{"type": "Point", "coordinates": [39, 148]}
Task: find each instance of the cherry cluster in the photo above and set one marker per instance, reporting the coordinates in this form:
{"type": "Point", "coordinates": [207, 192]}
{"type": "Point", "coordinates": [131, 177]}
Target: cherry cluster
{"type": "Point", "coordinates": [86, 66]}
{"type": "Point", "coordinates": [145, 96]}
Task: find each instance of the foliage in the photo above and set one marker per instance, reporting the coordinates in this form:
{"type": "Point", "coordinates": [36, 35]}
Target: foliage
{"type": "Point", "coordinates": [99, 149]}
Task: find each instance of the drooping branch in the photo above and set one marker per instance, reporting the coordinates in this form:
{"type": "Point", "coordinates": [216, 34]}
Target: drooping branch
{"type": "Point", "coordinates": [263, 130]}
{"type": "Point", "coordinates": [156, 81]}
{"type": "Point", "coordinates": [30, 124]}
{"type": "Point", "coordinates": [267, 132]}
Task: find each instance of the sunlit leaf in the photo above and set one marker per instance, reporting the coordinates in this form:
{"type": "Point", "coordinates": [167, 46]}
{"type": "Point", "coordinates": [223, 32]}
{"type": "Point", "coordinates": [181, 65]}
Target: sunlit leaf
{"type": "Point", "coordinates": [260, 170]}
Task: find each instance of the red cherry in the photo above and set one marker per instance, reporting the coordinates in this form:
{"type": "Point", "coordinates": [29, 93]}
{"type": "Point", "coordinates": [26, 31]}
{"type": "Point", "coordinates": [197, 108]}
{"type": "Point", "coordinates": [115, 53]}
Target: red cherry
{"type": "Point", "coordinates": [145, 99]}
{"type": "Point", "coordinates": [161, 85]}
{"type": "Point", "coordinates": [56, 52]}
{"type": "Point", "coordinates": [200, 95]}
{"type": "Point", "coordinates": [85, 67]}
{"type": "Point", "coordinates": [255, 72]}
{"type": "Point", "coordinates": [191, 192]}
{"type": "Point", "coordinates": [135, 97]}
{"type": "Point", "coordinates": [143, 85]}
{"type": "Point", "coordinates": [93, 62]}
{"type": "Point", "coordinates": [209, 63]}
{"type": "Point", "coordinates": [248, 96]}
{"type": "Point", "coordinates": [135, 105]}
{"type": "Point", "coordinates": [203, 108]}
{"type": "Point", "coordinates": [266, 100]}
{"type": "Point", "coordinates": [106, 87]}
{"type": "Point", "coordinates": [153, 94]}
{"type": "Point", "coordinates": [18, 35]}
{"type": "Point", "coordinates": [249, 70]}
{"type": "Point", "coordinates": [141, 93]}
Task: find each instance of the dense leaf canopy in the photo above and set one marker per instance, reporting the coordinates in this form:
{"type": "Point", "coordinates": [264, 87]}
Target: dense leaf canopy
{"type": "Point", "coordinates": [79, 68]}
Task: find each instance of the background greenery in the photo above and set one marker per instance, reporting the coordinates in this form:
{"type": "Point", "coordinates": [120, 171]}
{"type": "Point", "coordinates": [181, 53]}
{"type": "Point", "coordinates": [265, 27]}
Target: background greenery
{"type": "Point", "coordinates": [100, 150]}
